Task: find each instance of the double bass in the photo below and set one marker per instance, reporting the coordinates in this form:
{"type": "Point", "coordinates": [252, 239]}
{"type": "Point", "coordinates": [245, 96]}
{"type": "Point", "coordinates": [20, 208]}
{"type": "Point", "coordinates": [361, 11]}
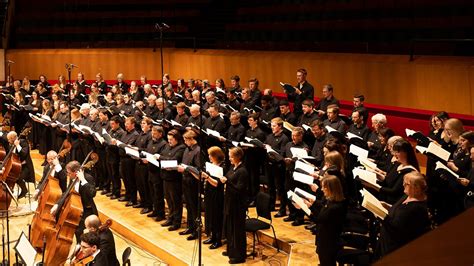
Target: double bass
{"type": "Point", "coordinates": [59, 238]}
{"type": "Point", "coordinates": [11, 166]}
{"type": "Point", "coordinates": [49, 193]}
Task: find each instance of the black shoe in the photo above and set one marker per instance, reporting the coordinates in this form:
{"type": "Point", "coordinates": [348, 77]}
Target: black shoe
{"type": "Point", "coordinates": [252, 204]}
{"type": "Point", "coordinates": [174, 227]}
{"type": "Point", "coordinates": [167, 223]}
{"type": "Point", "coordinates": [130, 203]}
{"type": "Point", "coordinates": [215, 245]}
{"type": "Point", "coordinates": [138, 205]}
{"type": "Point", "coordinates": [208, 241]}
{"type": "Point", "coordinates": [224, 253]}
{"type": "Point", "coordinates": [310, 226]}
{"type": "Point", "coordinates": [186, 232]}
{"type": "Point", "coordinates": [145, 210]}
{"type": "Point", "coordinates": [280, 214]}
{"type": "Point", "coordinates": [113, 197]}
{"type": "Point", "coordinates": [192, 237]}
{"type": "Point", "coordinates": [236, 261]}
{"type": "Point", "coordinates": [123, 199]}
{"type": "Point", "coordinates": [104, 192]}
{"type": "Point", "coordinates": [152, 214]}
{"type": "Point", "coordinates": [110, 194]}
{"type": "Point", "coordinates": [289, 219]}
{"type": "Point", "coordinates": [297, 222]}
{"type": "Point", "coordinates": [159, 218]}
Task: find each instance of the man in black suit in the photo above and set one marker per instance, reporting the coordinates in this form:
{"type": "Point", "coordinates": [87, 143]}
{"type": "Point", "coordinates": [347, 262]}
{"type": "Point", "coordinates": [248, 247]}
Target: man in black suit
{"type": "Point", "coordinates": [57, 170]}
{"type": "Point", "coordinates": [22, 149]}
{"type": "Point", "coordinates": [303, 91]}
{"type": "Point", "coordinates": [91, 248]}
{"type": "Point", "coordinates": [83, 184]}
{"type": "Point", "coordinates": [107, 242]}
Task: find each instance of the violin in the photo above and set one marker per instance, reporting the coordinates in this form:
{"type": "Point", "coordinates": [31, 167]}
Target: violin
{"type": "Point", "coordinates": [81, 259]}
{"type": "Point", "coordinates": [65, 148]}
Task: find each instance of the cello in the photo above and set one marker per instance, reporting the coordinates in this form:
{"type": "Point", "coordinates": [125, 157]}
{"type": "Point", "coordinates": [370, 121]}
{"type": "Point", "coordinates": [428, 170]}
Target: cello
{"type": "Point", "coordinates": [59, 238]}
{"type": "Point", "coordinates": [50, 192]}
{"type": "Point", "coordinates": [11, 166]}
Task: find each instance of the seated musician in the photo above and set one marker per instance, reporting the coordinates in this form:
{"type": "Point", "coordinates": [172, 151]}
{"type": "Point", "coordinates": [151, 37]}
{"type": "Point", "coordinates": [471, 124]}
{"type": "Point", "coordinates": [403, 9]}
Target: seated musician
{"type": "Point", "coordinates": [59, 172]}
{"type": "Point", "coordinates": [90, 252]}
{"type": "Point", "coordinates": [85, 187]}
{"type": "Point", "coordinates": [22, 148]}
{"type": "Point", "coordinates": [107, 243]}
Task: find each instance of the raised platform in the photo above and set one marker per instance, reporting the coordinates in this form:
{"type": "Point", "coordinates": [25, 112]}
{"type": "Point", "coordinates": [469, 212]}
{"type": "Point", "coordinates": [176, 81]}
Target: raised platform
{"type": "Point", "coordinates": [296, 244]}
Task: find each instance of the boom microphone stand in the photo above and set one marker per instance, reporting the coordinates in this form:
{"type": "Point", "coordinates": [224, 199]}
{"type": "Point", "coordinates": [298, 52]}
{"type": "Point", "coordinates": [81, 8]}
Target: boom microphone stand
{"type": "Point", "coordinates": [161, 27]}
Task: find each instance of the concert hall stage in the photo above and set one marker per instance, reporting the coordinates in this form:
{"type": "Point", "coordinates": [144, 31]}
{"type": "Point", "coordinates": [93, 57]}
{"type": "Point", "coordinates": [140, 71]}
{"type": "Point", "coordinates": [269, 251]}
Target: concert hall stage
{"type": "Point", "coordinates": [296, 244]}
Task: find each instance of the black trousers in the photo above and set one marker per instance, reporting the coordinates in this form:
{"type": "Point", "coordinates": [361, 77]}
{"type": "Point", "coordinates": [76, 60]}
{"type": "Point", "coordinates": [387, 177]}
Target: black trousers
{"type": "Point", "coordinates": [157, 192]}
{"type": "Point", "coordinates": [103, 178]}
{"type": "Point", "coordinates": [174, 199]}
{"type": "Point", "coordinates": [113, 176]}
{"type": "Point", "coordinates": [127, 171]}
{"type": "Point", "coordinates": [275, 173]}
{"type": "Point", "coordinates": [141, 182]}
{"type": "Point", "coordinates": [190, 191]}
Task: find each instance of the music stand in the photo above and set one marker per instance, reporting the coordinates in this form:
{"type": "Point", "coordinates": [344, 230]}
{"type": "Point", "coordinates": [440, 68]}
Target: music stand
{"type": "Point", "coordinates": [25, 250]}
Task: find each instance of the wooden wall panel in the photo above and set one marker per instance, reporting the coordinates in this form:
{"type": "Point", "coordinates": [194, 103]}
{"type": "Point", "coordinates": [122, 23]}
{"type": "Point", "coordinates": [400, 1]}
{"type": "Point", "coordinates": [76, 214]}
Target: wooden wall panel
{"type": "Point", "coordinates": [432, 83]}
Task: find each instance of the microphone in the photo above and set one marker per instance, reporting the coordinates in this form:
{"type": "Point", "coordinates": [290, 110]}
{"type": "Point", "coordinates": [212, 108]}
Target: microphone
{"type": "Point", "coordinates": [72, 65]}
{"type": "Point", "coordinates": [10, 62]}
{"type": "Point", "coordinates": [165, 25]}
{"type": "Point", "coordinates": [160, 27]}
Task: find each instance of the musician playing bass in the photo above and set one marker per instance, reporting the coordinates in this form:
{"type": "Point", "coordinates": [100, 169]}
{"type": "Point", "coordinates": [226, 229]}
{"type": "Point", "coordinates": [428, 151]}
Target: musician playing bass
{"type": "Point", "coordinates": [86, 189]}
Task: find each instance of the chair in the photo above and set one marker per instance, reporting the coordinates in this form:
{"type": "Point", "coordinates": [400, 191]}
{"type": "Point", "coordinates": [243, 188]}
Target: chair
{"type": "Point", "coordinates": [126, 256]}
{"type": "Point", "coordinates": [254, 225]}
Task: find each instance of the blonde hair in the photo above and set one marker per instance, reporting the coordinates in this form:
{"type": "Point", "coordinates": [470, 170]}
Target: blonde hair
{"type": "Point", "coordinates": [334, 158]}
{"type": "Point", "coordinates": [333, 185]}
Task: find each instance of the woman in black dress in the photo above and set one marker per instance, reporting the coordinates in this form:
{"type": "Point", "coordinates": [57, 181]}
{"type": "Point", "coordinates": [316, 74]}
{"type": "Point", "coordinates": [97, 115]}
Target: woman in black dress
{"type": "Point", "coordinates": [392, 182]}
{"type": "Point", "coordinates": [407, 219]}
{"type": "Point", "coordinates": [235, 207]}
{"type": "Point", "coordinates": [45, 132]}
{"type": "Point", "coordinates": [329, 215]}
{"type": "Point", "coordinates": [214, 200]}
{"type": "Point", "coordinates": [35, 105]}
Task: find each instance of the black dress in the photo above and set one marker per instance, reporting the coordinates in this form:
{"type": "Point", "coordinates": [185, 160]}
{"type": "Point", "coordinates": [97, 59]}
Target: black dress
{"type": "Point", "coordinates": [235, 207]}
{"type": "Point", "coordinates": [392, 186]}
{"type": "Point", "coordinates": [404, 223]}
{"type": "Point", "coordinates": [214, 204]}
{"type": "Point", "coordinates": [329, 217]}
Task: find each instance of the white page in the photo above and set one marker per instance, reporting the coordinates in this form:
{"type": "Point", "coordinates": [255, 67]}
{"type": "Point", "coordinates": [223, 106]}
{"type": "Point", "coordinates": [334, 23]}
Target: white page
{"type": "Point", "coordinates": [100, 138]}
{"type": "Point", "coordinates": [438, 151]}
{"type": "Point", "coordinates": [365, 175]}
{"type": "Point", "coordinates": [211, 132]}
{"type": "Point", "coordinates": [330, 129]}
{"type": "Point", "coordinates": [151, 159]}
{"type": "Point", "coordinates": [421, 149]}
{"type": "Point", "coordinates": [366, 163]}
{"type": "Point", "coordinates": [372, 204]}
{"type": "Point", "coordinates": [299, 201]}
{"type": "Point", "coordinates": [352, 135]}
{"type": "Point", "coordinates": [440, 165]}
{"type": "Point", "coordinates": [306, 179]}
{"type": "Point", "coordinates": [305, 167]}
{"type": "Point", "coordinates": [358, 151]}
{"type": "Point", "coordinates": [305, 127]}
{"type": "Point", "coordinates": [214, 170]}
{"type": "Point", "coordinates": [26, 251]}
{"type": "Point", "coordinates": [132, 152]}
{"type": "Point", "coordinates": [169, 164]}
{"type": "Point", "coordinates": [299, 152]}
{"type": "Point", "coordinates": [306, 194]}
{"type": "Point", "coordinates": [409, 132]}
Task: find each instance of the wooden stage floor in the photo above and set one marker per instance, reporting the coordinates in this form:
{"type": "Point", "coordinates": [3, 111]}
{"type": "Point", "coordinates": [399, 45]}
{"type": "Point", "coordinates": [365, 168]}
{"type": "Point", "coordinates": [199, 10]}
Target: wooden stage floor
{"type": "Point", "coordinates": [158, 245]}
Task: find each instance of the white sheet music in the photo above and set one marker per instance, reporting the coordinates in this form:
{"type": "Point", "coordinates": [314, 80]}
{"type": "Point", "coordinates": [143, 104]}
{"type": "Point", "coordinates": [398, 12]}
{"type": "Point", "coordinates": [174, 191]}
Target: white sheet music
{"type": "Point", "coordinates": [358, 151]}
{"type": "Point", "coordinates": [440, 165]}
{"type": "Point", "coordinates": [352, 135]}
{"type": "Point", "coordinates": [330, 129]}
{"type": "Point", "coordinates": [365, 175]}
{"type": "Point", "coordinates": [211, 132]}
{"type": "Point", "coordinates": [438, 151]}
{"type": "Point", "coordinates": [305, 167]}
{"type": "Point", "coordinates": [298, 201]}
{"type": "Point", "coordinates": [366, 163]}
{"type": "Point", "coordinates": [151, 159]}
{"type": "Point", "coordinates": [26, 251]}
{"type": "Point", "coordinates": [303, 178]}
{"type": "Point", "coordinates": [169, 164]}
{"type": "Point", "coordinates": [132, 152]}
{"type": "Point", "coordinates": [214, 170]}
{"type": "Point", "coordinates": [305, 194]}
{"type": "Point", "coordinates": [299, 152]}
{"type": "Point", "coordinates": [372, 204]}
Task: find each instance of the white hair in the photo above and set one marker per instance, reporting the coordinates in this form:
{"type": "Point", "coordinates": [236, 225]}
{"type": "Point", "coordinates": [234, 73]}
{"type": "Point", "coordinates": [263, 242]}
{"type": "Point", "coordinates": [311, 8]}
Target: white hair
{"type": "Point", "coordinates": [379, 118]}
